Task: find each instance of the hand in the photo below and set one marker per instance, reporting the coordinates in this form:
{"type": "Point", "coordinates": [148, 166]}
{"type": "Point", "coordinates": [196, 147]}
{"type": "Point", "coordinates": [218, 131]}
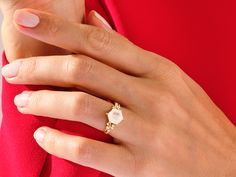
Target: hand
{"type": "Point", "coordinates": [171, 128]}
{"type": "Point", "coordinates": [17, 45]}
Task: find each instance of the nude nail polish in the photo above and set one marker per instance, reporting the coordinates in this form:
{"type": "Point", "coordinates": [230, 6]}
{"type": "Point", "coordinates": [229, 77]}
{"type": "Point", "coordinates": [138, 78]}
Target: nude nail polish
{"type": "Point", "coordinates": [39, 135]}
{"type": "Point", "coordinates": [22, 99]}
{"type": "Point", "coordinates": [11, 70]}
{"type": "Point", "coordinates": [26, 19]}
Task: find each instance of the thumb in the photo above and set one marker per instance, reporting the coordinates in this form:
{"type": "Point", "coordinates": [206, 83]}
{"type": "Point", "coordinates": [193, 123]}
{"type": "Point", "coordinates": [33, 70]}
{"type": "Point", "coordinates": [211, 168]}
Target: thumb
{"type": "Point", "coordinates": [96, 19]}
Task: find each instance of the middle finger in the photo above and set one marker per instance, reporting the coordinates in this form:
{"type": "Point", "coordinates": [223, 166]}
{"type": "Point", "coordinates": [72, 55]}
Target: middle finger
{"type": "Point", "coordinates": [75, 71]}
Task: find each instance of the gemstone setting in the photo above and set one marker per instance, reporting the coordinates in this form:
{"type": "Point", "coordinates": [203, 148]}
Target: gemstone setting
{"type": "Point", "coordinates": [115, 116]}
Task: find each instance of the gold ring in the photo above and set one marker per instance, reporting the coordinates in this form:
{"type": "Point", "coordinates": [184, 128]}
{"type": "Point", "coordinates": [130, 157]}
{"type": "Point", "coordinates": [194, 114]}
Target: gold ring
{"type": "Point", "coordinates": [115, 117]}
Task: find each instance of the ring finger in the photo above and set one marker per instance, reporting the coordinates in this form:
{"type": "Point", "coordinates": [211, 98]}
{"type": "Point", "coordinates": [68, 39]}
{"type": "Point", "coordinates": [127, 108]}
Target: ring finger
{"type": "Point", "coordinates": [78, 106]}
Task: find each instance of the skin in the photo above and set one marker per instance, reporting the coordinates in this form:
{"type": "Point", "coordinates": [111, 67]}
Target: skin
{"type": "Point", "coordinates": [171, 128]}
{"type": "Point", "coordinates": [15, 43]}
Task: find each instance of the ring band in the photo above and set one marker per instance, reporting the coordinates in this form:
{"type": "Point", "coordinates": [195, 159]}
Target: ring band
{"type": "Point", "coordinates": [115, 117]}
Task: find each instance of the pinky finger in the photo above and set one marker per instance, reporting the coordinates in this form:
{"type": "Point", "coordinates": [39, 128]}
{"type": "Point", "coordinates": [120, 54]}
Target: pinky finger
{"type": "Point", "coordinates": [109, 158]}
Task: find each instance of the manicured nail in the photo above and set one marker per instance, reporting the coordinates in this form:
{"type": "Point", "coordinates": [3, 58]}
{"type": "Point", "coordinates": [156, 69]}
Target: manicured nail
{"type": "Point", "coordinates": [26, 19]}
{"type": "Point", "coordinates": [11, 70]}
{"type": "Point", "coordinates": [39, 135]}
{"type": "Point", "coordinates": [22, 99]}
{"type": "Point", "coordinates": [102, 20]}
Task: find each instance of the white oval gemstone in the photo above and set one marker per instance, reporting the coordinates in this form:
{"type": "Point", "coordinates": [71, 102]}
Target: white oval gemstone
{"type": "Point", "coordinates": [115, 116]}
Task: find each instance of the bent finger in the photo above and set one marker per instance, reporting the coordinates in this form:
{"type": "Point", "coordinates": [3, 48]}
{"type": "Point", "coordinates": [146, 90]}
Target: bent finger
{"type": "Point", "coordinates": [106, 46]}
{"type": "Point", "coordinates": [109, 158]}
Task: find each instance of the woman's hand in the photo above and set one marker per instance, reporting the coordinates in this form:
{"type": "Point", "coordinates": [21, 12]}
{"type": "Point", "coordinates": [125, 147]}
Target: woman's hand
{"type": "Point", "coordinates": [171, 128]}
{"type": "Point", "coordinates": [16, 44]}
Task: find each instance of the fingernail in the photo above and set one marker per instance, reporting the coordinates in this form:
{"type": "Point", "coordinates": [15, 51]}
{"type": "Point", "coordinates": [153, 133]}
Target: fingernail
{"type": "Point", "coordinates": [102, 20]}
{"type": "Point", "coordinates": [11, 70]}
{"type": "Point", "coordinates": [22, 99]}
{"type": "Point", "coordinates": [26, 19]}
{"type": "Point", "coordinates": [39, 135]}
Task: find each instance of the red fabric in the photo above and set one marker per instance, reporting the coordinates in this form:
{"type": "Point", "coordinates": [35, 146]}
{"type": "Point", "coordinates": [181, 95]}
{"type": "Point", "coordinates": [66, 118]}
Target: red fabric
{"type": "Point", "coordinates": [198, 35]}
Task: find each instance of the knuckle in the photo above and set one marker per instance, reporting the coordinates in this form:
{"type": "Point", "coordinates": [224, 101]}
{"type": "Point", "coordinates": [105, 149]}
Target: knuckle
{"type": "Point", "coordinates": [51, 142]}
{"type": "Point", "coordinates": [78, 69]}
{"type": "Point", "coordinates": [165, 104]}
{"type": "Point", "coordinates": [83, 151]}
{"type": "Point", "coordinates": [99, 39]}
{"type": "Point", "coordinates": [36, 101]}
{"type": "Point", "coordinates": [53, 25]}
{"type": "Point", "coordinates": [175, 70]}
{"type": "Point", "coordinates": [173, 73]}
{"type": "Point", "coordinates": [167, 98]}
{"type": "Point", "coordinates": [29, 68]}
{"type": "Point", "coordinates": [159, 100]}
{"type": "Point", "coordinates": [81, 105]}
{"type": "Point", "coordinates": [166, 69]}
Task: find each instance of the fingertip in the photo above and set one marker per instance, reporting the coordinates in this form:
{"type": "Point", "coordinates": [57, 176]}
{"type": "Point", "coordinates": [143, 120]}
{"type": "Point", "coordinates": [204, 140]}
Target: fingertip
{"type": "Point", "coordinates": [26, 18]}
{"type": "Point", "coordinates": [94, 18]}
{"type": "Point", "coordinates": [40, 133]}
{"type": "Point", "coordinates": [11, 70]}
{"type": "Point", "coordinates": [22, 99]}
{"type": "Point", "coordinates": [91, 19]}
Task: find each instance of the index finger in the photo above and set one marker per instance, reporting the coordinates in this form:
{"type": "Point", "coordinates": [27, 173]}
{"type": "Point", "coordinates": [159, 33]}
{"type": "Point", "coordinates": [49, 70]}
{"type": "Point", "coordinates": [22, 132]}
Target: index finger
{"type": "Point", "coordinates": [106, 46]}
